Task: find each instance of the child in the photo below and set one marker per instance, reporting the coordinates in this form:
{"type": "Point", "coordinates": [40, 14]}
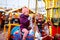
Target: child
{"type": "Point", "coordinates": [24, 22]}
{"type": "Point", "coordinates": [42, 28]}
{"type": "Point", "coordinates": [40, 22]}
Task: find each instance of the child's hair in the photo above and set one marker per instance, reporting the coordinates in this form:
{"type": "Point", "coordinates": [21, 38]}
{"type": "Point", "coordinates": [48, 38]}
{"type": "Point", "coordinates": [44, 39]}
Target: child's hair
{"type": "Point", "coordinates": [40, 15]}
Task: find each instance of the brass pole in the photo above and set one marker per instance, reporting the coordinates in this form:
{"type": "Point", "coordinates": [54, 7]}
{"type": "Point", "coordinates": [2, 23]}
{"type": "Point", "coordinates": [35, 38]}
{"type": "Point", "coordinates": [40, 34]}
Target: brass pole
{"type": "Point", "coordinates": [36, 6]}
{"type": "Point", "coordinates": [58, 20]}
{"type": "Point", "coordinates": [28, 3]}
{"type": "Point", "coordinates": [35, 18]}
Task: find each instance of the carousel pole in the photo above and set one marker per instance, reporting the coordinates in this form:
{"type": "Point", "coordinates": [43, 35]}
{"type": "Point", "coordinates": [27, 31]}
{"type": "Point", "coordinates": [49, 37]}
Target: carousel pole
{"type": "Point", "coordinates": [35, 18]}
{"type": "Point", "coordinates": [28, 3]}
{"type": "Point", "coordinates": [58, 20]}
{"type": "Point", "coordinates": [50, 27]}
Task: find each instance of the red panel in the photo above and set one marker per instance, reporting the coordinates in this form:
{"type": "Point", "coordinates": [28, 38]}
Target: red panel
{"type": "Point", "coordinates": [54, 30]}
{"type": "Point", "coordinates": [59, 30]}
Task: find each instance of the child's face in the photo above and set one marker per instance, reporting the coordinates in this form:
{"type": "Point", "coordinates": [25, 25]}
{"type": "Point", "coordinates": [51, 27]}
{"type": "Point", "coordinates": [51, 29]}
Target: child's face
{"type": "Point", "coordinates": [25, 11]}
{"type": "Point", "coordinates": [40, 17]}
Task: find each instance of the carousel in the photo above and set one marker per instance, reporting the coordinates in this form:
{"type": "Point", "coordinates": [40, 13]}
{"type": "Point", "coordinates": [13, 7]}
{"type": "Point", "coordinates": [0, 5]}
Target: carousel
{"type": "Point", "coordinates": [41, 28]}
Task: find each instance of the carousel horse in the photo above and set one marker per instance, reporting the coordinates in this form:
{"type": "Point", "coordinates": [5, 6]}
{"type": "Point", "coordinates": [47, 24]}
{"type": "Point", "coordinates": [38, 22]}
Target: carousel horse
{"type": "Point", "coordinates": [16, 34]}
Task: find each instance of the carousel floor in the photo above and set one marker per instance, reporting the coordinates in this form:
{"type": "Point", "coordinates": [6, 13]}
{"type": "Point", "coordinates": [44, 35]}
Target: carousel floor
{"type": "Point", "coordinates": [2, 37]}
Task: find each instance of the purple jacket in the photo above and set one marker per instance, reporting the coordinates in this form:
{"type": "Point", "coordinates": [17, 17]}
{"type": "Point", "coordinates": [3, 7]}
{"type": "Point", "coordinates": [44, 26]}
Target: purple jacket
{"type": "Point", "coordinates": [24, 21]}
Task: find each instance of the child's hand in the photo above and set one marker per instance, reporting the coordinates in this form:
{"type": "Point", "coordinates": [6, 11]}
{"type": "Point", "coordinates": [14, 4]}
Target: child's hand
{"type": "Point", "coordinates": [29, 28]}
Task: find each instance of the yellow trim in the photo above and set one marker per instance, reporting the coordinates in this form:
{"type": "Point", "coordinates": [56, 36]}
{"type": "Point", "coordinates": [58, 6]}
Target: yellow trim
{"type": "Point", "coordinates": [50, 28]}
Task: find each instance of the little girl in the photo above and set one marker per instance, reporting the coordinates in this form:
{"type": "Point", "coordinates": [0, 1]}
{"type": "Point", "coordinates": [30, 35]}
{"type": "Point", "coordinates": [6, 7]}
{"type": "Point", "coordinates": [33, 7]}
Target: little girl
{"type": "Point", "coordinates": [24, 22]}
